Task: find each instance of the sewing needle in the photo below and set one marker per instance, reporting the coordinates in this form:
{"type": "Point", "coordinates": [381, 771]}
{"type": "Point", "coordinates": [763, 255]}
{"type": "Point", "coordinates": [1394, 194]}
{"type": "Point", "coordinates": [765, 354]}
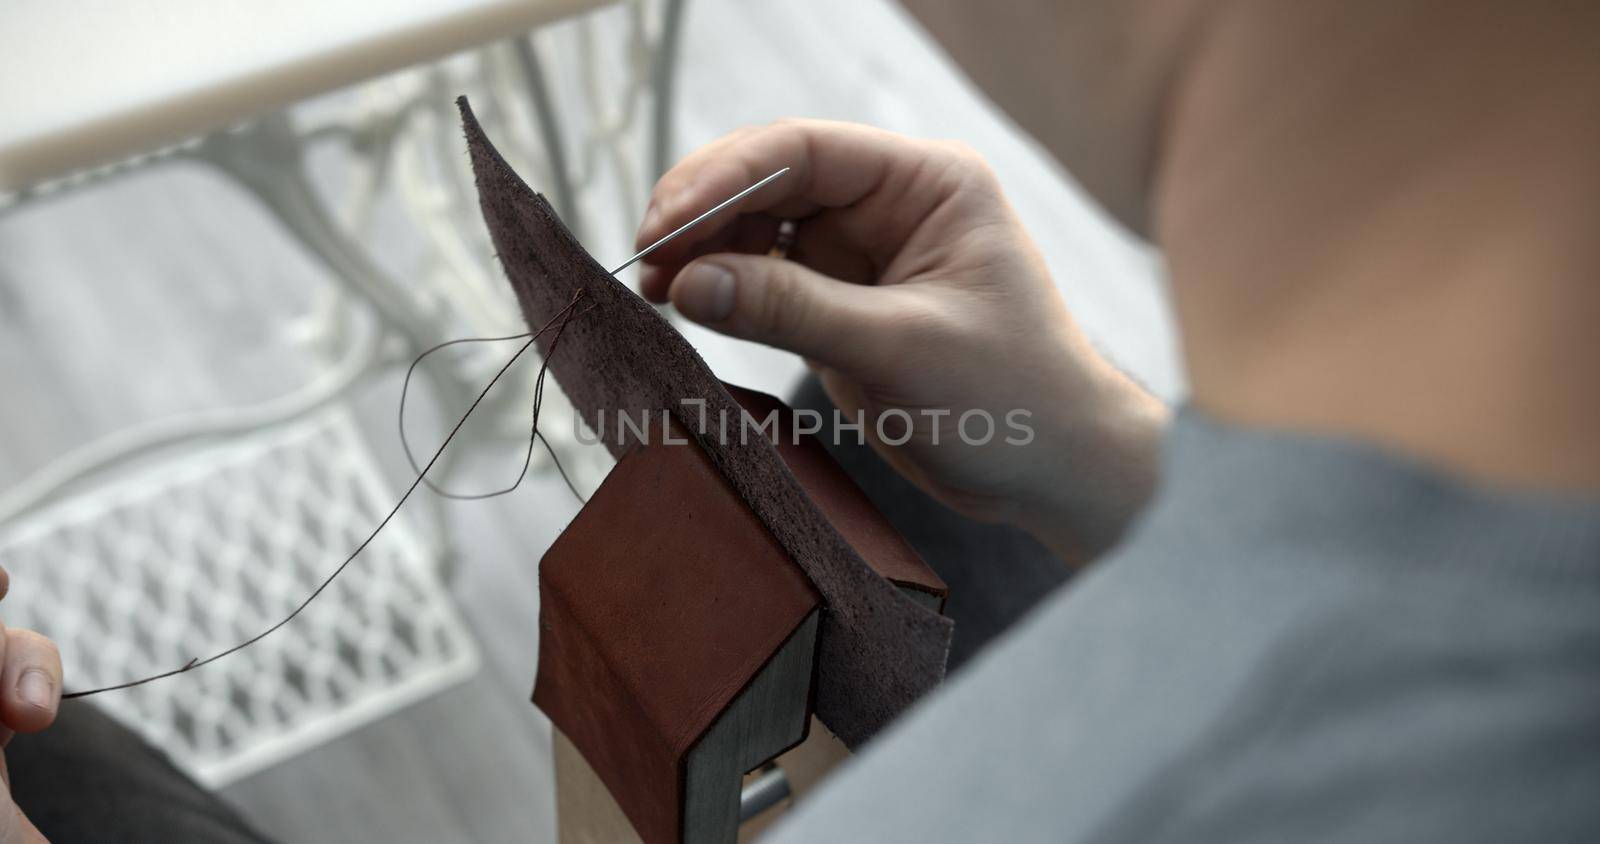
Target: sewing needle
{"type": "Point", "coordinates": [698, 220]}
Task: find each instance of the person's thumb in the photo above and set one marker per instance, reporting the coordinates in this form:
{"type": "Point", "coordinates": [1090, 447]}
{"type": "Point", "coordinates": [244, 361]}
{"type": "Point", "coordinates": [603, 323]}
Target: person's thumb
{"type": "Point", "coordinates": [783, 304]}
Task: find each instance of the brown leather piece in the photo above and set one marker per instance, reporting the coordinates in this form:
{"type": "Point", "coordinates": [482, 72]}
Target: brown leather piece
{"type": "Point", "coordinates": [879, 650]}
{"type": "Point", "coordinates": [848, 508]}
{"type": "Point", "coordinates": [659, 603]}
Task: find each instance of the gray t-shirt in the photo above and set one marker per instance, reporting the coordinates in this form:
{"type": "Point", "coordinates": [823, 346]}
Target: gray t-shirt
{"type": "Point", "coordinates": [1303, 639]}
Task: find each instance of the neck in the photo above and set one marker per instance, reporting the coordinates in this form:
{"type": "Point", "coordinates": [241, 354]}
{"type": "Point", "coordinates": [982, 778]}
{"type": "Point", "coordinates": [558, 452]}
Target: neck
{"type": "Point", "coordinates": [1380, 221]}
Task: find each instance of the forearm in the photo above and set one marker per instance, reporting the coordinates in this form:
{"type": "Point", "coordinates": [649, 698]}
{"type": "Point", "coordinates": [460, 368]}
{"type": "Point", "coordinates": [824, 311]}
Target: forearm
{"type": "Point", "coordinates": [1097, 458]}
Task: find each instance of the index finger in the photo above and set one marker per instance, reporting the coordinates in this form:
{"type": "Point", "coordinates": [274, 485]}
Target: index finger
{"type": "Point", "coordinates": [833, 165]}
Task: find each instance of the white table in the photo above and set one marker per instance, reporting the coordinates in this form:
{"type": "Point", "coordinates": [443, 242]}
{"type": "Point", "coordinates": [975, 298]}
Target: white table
{"type": "Point", "coordinates": [86, 83]}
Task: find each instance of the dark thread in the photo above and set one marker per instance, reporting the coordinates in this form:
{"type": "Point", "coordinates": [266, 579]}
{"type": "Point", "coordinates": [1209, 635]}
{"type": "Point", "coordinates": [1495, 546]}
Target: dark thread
{"type": "Point", "coordinates": [533, 436]}
{"type": "Point", "coordinates": [565, 315]}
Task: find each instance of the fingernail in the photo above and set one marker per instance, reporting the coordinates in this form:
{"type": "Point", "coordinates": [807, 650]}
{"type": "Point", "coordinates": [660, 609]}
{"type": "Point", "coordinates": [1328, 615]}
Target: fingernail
{"type": "Point", "coordinates": [36, 689]}
{"type": "Point", "coordinates": [707, 292]}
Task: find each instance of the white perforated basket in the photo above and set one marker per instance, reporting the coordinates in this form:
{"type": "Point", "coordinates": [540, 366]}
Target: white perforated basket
{"type": "Point", "coordinates": [189, 557]}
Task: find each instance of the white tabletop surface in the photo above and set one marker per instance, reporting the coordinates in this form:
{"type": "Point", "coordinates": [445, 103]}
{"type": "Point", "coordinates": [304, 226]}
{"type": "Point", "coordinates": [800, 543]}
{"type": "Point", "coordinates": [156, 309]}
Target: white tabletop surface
{"type": "Point", "coordinates": [85, 82]}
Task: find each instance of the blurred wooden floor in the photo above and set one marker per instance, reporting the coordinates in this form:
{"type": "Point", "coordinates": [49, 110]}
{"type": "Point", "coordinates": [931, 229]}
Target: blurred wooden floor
{"type": "Point", "coordinates": [166, 291]}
